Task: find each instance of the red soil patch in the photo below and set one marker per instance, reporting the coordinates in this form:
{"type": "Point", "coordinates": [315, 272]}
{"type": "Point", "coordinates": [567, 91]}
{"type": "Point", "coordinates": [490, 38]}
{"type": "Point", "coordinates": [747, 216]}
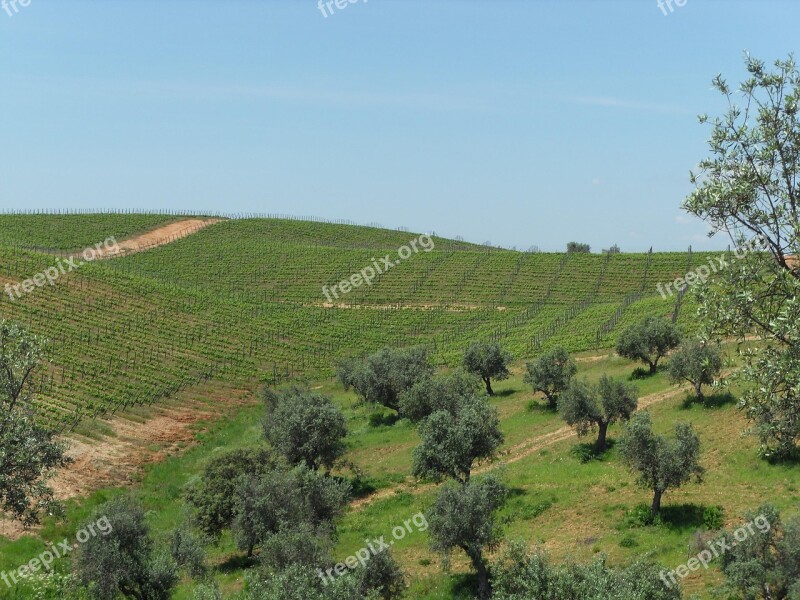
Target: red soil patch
{"type": "Point", "coordinates": [157, 237]}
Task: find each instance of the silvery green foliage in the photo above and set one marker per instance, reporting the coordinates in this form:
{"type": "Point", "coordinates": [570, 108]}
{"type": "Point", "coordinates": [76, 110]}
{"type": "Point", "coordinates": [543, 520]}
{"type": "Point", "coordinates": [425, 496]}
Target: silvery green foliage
{"type": "Point", "coordinates": [522, 574]}
{"type": "Point", "coordinates": [660, 463]}
{"type": "Point", "coordinates": [383, 376]}
{"type": "Point", "coordinates": [487, 361]}
{"type": "Point", "coordinates": [587, 406]}
{"type": "Point", "coordinates": [381, 577]}
{"type": "Point", "coordinates": [298, 582]}
{"type": "Point", "coordinates": [748, 190]}
{"type": "Point", "coordinates": [551, 374]}
{"type": "Point", "coordinates": [186, 549]}
{"type": "Point", "coordinates": [125, 561]}
{"type": "Point", "coordinates": [451, 442]}
{"type": "Point", "coordinates": [28, 452]}
{"type": "Point", "coordinates": [207, 591]}
{"type": "Point", "coordinates": [648, 341]}
{"type": "Point", "coordinates": [212, 496]}
{"type": "Point", "coordinates": [437, 393]}
{"type": "Point", "coordinates": [299, 544]}
{"type": "Point", "coordinates": [280, 500]}
{"type": "Point", "coordinates": [463, 517]}
{"type": "Point", "coordinates": [766, 564]}
{"type": "Point", "coordinates": [696, 362]}
{"type": "Point", "coordinates": [305, 427]}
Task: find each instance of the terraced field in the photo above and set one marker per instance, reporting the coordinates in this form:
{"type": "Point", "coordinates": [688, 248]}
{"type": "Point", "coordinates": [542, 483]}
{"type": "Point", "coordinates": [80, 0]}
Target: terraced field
{"type": "Point", "coordinates": [243, 299]}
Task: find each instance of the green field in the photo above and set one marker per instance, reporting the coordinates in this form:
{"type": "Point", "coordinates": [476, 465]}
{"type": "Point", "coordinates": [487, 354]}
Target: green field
{"type": "Point", "coordinates": [240, 304]}
{"type": "Point", "coordinates": [243, 300]}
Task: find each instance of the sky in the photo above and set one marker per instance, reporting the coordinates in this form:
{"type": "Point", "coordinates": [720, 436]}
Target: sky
{"type": "Point", "coordinates": [520, 122]}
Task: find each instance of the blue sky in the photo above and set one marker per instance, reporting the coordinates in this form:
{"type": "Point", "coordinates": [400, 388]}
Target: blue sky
{"type": "Point", "coordinates": [523, 122]}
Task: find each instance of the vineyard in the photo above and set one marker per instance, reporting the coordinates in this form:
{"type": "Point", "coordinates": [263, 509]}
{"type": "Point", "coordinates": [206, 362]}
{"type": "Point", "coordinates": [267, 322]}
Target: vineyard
{"type": "Point", "coordinates": [242, 300]}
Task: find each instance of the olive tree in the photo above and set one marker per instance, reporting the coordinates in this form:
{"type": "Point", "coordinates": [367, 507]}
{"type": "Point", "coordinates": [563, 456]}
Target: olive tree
{"type": "Point", "coordinates": [305, 427]}
{"type": "Point", "coordinates": [487, 361]}
{"type": "Point", "coordinates": [464, 517]}
{"type": "Point", "coordinates": [123, 560]}
{"type": "Point", "coordinates": [281, 500]}
{"type": "Point", "coordinates": [696, 362]}
{"type": "Point", "coordinates": [578, 247]}
{"type": "Point", "coordinates": [379, 579]}
{"type": "Point", "coordinates": [522, 574]}
{"type": "Point", "coordinates": [747, 190]}
{"type": "Point", "coordinates": [29, 452]}
{"type": "Point", "coordinates": [763, 560]}
{"type": "Point", "coordinates": [437, 393]}
{"type": "Point", "coordinates": [551, 373]}
{"type": "Point", "coordinates": [648, 341]}
{"type": "Point", "coordinates": [383, 376]}
{"type": "Point", "coordinates": [586, 406]}
{"type": "Point", "coordinates": [660, 463]}
{"type": "Point", "coordinates": [213, 494]}
{"type": "Point", "coordinates": [453, 441]}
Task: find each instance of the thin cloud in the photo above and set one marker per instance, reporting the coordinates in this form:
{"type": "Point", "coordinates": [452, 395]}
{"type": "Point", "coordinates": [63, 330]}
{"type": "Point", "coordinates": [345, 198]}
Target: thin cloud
{"type": "Point", "coordinates": [609, 102]}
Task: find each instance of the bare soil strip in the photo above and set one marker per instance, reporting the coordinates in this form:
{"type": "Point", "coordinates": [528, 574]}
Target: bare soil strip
{"type": "Point", "coordinates": [132, 441]}
{"type": "Point", "coordinates": [154, 238]}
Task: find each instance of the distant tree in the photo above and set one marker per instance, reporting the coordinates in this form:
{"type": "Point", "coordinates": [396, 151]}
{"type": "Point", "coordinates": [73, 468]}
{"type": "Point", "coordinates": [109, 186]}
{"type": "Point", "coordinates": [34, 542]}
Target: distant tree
{"type": "Point", "coordinates": [281, 500]}
{"type": "Point", "coordinates": [586, 406]}
{"type": "Point", "coordinates": [464, 517]}
{"type": "Point", "coordinates": [298, 544]}
{"type": "Point", "coordinates": [382, 577]}
{"type": "Point", "coordinates": [577, 247]}
{"type": "Point", "coordinates": [613, 250]}
{"type": "Point", "coordinates": [698, 363]}
{"type": "Point", "coordinates": [766, 563]}
{"type": "Point", "coordinates": [648, 341]}
{"type": "Point", "coordinates": [383, 376]}
{"type": "Point", "coordinates": [207, 591]}
{"type": "Point", "coordinates": [487, 361]}
{"type": "Point", "coordinates": [186, 550]}
{"type": "Point", "coordinates": [437, 393]}
{"type": "Point", "coordinates": [661, 464]}
{"type": "Point", "coordinates": [298, 582]}
{"type": "Point", "coordinates": [748, 190]}
{"type": "Point", "coordinates": [453, 441]}
{"type": "Point", "coordinates": [213, 495]}
{"type": "Point", "coordinates": [551, 373]}
{"type": "Point", "coordinates": [522, 574]}
{"type": "Point", "coordinates": [304, 426]}
{"type": "Point", "coordinates": [124, 560]}
{"type": "Point", "coordinates": [346, 371]}
{"type": "Point", "coordinates": [29, 452]}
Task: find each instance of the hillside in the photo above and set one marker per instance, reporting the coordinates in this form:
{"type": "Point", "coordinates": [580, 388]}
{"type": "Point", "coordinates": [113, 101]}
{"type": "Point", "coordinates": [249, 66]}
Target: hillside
{"type": "Point", "coordinates": [243, 299]}
{"type": "Point", "coordinates": [181, 335]}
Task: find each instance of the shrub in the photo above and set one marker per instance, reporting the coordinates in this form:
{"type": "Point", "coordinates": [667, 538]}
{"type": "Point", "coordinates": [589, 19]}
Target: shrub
{"type": "Point", "coordinates": [305, 427]}
{"type": "Point", "coordinates": [714, 517]}
{"type": "Point", "coordinates": [124, 562]}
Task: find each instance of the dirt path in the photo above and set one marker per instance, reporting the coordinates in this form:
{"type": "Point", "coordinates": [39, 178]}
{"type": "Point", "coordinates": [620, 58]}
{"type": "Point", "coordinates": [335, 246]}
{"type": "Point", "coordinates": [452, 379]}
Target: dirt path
{"type": "Point", "coordinates": [129, 442]}
{"type": "Point", "coordinates": [509, 455]}
{"type": "Point", "coordinates": [154, 238]}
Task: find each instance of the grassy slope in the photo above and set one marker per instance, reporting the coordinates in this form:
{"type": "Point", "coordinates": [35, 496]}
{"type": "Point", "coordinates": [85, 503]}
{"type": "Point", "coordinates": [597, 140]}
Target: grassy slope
{"type": "Point", "coordinates": [574, 510]}
{"type": "Point", "coordinates": [239, 298]}
{"type": "Point", "coordinates": [243, 299]}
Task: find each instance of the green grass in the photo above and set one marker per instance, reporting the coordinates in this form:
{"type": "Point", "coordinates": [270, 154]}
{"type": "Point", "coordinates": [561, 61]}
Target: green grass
{"type": "Point", "coordinates": [243, 299]}
{"type": "Point", "coordinates": [574, 510]}
{"type": "Point", "coordinates": [241, 302]}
